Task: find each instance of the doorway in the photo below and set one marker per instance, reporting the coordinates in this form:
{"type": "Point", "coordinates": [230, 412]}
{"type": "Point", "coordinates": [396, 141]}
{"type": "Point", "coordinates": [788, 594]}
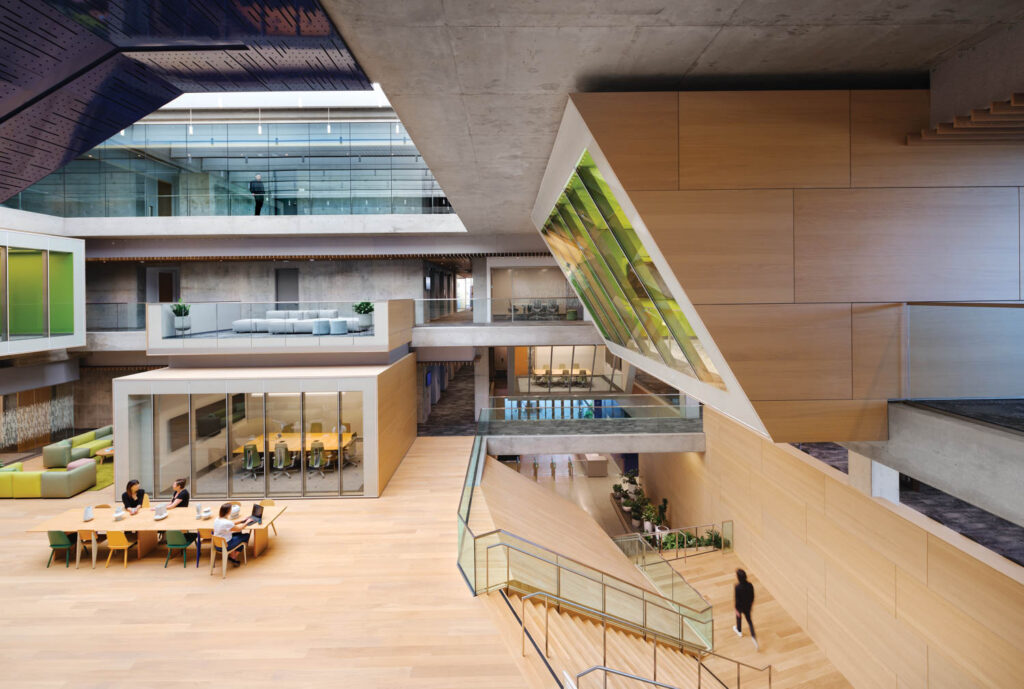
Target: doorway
{"type": "Point", "coordinates": [162, 284]}
{"type": "Point", "coordinates": [164, 204]}
{"type": "Point", "coordinates": [286, 288]}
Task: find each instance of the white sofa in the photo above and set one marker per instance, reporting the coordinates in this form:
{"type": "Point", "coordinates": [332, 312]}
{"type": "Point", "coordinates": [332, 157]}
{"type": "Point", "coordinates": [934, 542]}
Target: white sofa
{"type": "Point", "coordinates": [281, 322]}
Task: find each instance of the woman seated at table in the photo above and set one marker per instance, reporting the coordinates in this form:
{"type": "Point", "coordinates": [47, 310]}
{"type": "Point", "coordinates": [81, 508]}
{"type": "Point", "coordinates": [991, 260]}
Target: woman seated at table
{"type": "Point", "coordinates": [181, 496]}
{"type": "Point", "coordinates": [230, 531]}
{"type": "Point", "coordinates": [133, 496]}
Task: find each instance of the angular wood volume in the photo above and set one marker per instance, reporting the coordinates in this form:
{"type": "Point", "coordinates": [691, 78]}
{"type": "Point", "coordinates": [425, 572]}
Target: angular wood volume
{"type": "Point", "coordinates": [906, 244]}
{"type": "Point", "coordinates": [764, 139]}
{"type": "Point", "coordinates": [725, 247]}
{"type": "Point", "coordinates": [638, 133]}
{"type": "Point", "coordinates": [877, 350]}
{"type": "Point", "coordinates": [812, 421]}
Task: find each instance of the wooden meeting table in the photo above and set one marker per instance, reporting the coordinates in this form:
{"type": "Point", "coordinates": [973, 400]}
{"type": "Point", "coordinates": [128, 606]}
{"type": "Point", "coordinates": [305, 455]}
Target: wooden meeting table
{"type": "Point", "coordinates": [179, 519]}
{"type": "Point", "coordinates": [294, 441]}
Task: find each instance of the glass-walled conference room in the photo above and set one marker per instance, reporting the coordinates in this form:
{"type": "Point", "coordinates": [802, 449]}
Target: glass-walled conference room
{"type": "Point", "coordinates": [249, 445]}
{"type": "Point", "coordinates": [567, 369]}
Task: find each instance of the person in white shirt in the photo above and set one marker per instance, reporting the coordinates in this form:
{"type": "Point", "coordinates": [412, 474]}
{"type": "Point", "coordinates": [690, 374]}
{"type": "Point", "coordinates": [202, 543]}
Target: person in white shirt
{"type": "Point", "coordinates": [230, 531]}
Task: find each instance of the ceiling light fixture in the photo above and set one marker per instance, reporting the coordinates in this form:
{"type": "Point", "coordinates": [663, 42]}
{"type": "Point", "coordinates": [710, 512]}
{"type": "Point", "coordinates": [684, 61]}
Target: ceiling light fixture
{"type": "Point", "coordinates": [328, 120]}
{"type": "Point", "coordinates": [259, 127]}
{"type": "Point", "coordinates": [190, 130]}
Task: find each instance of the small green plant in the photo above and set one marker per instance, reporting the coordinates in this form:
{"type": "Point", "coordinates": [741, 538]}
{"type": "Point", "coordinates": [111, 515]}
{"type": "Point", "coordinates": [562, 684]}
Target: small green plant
{"type": "Point", "coordinates": [180, 308]}
{"type": "Point", "coordinates": [630, 477]}
{"type": "Point", "coordinates": [617, 489]}
{"type": "Point", "coordinates": [363, 308]}
{"type": "Point", "coordinates": [662, 511]}
{"type": "Point", "coordinates": [650, 513]}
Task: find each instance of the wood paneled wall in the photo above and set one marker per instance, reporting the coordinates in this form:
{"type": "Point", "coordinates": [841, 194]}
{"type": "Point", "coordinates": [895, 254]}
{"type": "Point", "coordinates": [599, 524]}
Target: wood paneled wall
{"type": "Point", "coordinates": [894, 600]}
{"type": "Point", "coordinates": [396, 417]}
{"type": "Point", "coordinates": [800, 222]}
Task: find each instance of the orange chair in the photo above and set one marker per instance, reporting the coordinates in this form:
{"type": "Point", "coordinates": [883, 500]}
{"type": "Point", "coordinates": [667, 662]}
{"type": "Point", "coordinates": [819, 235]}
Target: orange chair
{"type": "Point", "coordinates": [220, 545]}
{"type": "Point", "coordinates": [145, 499]}
{"type": "Point", "coordinates": [116, 540]}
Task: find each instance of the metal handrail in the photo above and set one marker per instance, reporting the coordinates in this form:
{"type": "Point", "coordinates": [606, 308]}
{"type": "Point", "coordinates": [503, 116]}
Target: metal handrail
{"type": "Point", "coordinates": [739, 665]}
{"type": "Point", "coordinates": [639, 538]}
{"type": "Point", "coordinates": [738, 662]}
{"type": "Point", "coordinates": [620, 673]}
{"type": "Point", "coordinates": [671, 603]}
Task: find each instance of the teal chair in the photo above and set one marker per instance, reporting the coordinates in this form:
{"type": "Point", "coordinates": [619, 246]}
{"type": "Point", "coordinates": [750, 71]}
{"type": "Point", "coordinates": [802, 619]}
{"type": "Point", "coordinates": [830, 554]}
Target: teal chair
{"type": "Point", "coordinates": [176, 540]}
{"type": "Point", "coordinates": [316, 458]}
{"type": "Point", "coordinates": [251, 460]}
{"type": "Point", "coordinates": [282, 459]}
{"type": "Point", "coordinates": [60, 541]}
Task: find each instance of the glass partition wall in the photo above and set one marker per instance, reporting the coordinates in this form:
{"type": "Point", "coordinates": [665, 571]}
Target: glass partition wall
{"type": "Point", "coordinates": [248, 445]}
{"type": "Point", "coordinates": [569, 369]}
{"type": "Point", "coordinates": [37, 293]}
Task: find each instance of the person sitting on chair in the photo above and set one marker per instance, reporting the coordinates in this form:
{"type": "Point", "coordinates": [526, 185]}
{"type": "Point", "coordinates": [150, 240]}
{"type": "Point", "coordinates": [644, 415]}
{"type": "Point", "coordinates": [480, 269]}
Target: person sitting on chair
{"type": "Point", "coordinates": [230, 531]}
{"type": "Point", "coordinates": [133, 496]}
{"type": "Point", "coordinates": [181, 496]}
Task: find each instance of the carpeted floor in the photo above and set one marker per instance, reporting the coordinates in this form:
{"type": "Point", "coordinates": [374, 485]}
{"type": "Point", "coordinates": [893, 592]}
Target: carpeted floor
{"type": "Point", "coordinates": [834, 455]}
{"type": "Point", "coordinates": [104, 475]}
{"type": "Point", "coordinates": [453, 413]}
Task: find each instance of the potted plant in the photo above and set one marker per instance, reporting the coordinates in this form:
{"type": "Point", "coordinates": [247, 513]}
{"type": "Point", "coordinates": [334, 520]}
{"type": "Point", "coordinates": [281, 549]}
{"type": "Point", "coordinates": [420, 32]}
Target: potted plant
{"type": "Point", "coordinates": [364, 309]}
{"type": "Point", "coordinates": [627, 505]}
{"type": "Point", "coordinates": [182, 321]}
{"type": "Point", "coordinates": [662, 511]}
{"type": "Point", "coordinates": [618, 493]}
{"type": "Point", "coordinates": [650, 515]}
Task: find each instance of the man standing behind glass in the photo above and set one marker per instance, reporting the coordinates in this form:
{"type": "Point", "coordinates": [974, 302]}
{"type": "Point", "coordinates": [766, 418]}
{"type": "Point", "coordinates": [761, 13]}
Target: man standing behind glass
{"type": "Point", "coordinates": [258, 192]}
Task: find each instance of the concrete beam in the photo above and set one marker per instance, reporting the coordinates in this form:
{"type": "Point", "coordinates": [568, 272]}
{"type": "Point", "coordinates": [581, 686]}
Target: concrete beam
{"type": "Point", "coordinates": [578, 444]}
{"type": "Point", "coordinates": [506, 335]}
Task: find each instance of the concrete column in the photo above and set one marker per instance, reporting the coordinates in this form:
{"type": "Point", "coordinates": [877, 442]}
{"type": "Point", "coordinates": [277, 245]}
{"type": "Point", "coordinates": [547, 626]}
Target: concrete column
{"type": "Point", "coordinates": [481, 293]}
{"type": "Point", "coordinates": [873, 478]}
{"type": "Point", "coordinates": [481, 380]}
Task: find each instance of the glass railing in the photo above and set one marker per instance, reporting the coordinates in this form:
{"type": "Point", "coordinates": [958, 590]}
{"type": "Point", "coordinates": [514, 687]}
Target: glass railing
{"type": "Point", "coordinates": [261, 320]}
{"type": "Point", "coordinates": [662, 574]}
{"type": "Point", "coordinates": [113, 316]}
{"type": "Point", "coordinates": [611, 414]}
{"type": "Point", "coordinates": [526, 310]}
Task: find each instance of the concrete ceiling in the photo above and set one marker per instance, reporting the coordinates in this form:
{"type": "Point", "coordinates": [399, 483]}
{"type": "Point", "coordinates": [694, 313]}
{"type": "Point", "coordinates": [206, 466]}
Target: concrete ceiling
{"type": "Point", "coordinates": [481, 84]}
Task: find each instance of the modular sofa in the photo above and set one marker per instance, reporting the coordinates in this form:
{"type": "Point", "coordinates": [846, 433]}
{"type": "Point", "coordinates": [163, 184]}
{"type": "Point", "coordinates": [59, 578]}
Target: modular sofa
{"type": "Point", "coordinates": [308, 322]}
{"type": "Point", "coordinates": [59, 455]}
{"type": "Point", "coordinates": [15, 483]}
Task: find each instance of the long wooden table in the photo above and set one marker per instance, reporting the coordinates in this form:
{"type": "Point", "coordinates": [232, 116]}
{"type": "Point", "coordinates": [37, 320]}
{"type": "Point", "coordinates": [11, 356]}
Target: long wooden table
{"type": "Point", "coordinates": [294, 441]}
{"type": "Point", "coordinates": [179, 519]}
{"type": "Point", "coordinates": [557, 371]}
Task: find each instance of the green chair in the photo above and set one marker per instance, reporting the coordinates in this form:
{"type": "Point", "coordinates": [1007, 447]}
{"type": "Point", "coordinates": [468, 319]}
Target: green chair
{"type": "Point", "coordinates": [316, 458]}
{"type": "Point", "coordinates": [176, 540]}
{"type": "Point", "coordinates": [282, 458]}
{"type": "Point", "coordinates": [251, 460]}
{"type": "Point", "coordinates": [60, 541]}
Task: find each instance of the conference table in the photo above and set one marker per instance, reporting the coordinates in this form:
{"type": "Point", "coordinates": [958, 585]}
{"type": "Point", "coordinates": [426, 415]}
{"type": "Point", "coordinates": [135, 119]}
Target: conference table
{"type": "Point", "coordinates": [294, 441]}
{"type": "Point", "coordinates": [179, 519]}
{"type": "Point", "coordinates": [558, 371]}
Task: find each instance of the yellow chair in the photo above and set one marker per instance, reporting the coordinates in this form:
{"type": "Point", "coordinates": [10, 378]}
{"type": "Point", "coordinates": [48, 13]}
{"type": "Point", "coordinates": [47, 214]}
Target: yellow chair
{"type": "Point", "coordinates": [101, 507]}
{"type": "Point", "coordinates": [145, 499]}
{"type": "Point", "coordinates": [219, 543]}
{"type": "Point", "coordinates": [269, 503]}
{"type": "Point", "coordinates": [116, 540]}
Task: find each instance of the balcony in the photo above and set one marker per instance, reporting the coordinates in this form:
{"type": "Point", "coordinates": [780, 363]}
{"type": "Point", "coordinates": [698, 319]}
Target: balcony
{"type": "Point", "coordinates": [272, 327]}
{"type": "Point", "coordinates": [496, 322]}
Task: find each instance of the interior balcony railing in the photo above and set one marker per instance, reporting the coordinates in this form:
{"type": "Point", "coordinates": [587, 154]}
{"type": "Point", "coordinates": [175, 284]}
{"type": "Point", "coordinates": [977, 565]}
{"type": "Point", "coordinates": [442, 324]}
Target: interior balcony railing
{"type": "Point", "coordinates": [657, 568]}
{"type": "Point", "coordinates": [115, 316]}
{"type": "Point", "coordinates": [518, 310]}
{"type": "Point", "coordinates": [589, 414]}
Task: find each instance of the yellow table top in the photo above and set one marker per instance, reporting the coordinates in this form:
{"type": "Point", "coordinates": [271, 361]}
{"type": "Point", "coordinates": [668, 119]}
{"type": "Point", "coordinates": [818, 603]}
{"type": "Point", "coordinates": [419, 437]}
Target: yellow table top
{"type": "Point", "coordinates": [330, 441]}
{"type": "Point", "coordinates": [178, 519]}
{"type": "Point", "coordinates": [558, 371]}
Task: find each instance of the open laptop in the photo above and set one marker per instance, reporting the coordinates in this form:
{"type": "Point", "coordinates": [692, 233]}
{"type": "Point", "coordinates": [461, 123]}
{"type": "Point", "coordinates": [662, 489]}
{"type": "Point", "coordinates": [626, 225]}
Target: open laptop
{"type": "Point", "coordinates": [256, 517]}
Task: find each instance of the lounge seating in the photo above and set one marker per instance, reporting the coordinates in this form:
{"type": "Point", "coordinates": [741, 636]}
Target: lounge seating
{"type": "Point", "coordinates": [15, 483]}
{"type": "Point", "coordinates": [60, 454]}
{"type": "Point", "coordinates": [302, 322]}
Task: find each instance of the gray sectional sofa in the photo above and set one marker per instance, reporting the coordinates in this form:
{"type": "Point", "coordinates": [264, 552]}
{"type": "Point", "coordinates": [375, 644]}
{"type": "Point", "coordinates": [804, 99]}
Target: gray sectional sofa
{"type": "Point", "coordinates": [308, 322]}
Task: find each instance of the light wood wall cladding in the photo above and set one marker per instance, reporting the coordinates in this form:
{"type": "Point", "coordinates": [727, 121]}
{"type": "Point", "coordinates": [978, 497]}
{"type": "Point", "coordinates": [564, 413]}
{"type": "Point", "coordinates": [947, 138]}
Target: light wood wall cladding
{"type": "Point", "coordinates": [877, 332]}
{"type": "Point", "coordinates": [892, 599]}
{"type": "Point", "coordinates": [764, 139]}
{"type": "Point", "coordinates": [879, 123]}
{"type": "Point", "coordinates": [638, 134]}
{"type": "Point", "coordinates": [812, 421]}
{"type": "Point", "coordinates": [785, 351]}
{"type": "Point", "coordinates": [907, 244]}
{"type": "Point", "coordinates": [726, 247]}
{"type": "Point", "coordinates": [965, 351]}
{"type": "Point", "coordinates": [396, 417]}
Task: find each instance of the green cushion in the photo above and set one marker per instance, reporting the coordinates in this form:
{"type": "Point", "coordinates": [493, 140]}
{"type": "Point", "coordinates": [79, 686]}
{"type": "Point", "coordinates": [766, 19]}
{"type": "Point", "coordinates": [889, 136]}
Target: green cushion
{"type": "Point", "coordinates": [16, 466]}
{"type": "Point", "coordinates": [82, 439]}
{"type": "Point", "coordinates": [5, 485]}
{"type": "Point", "coordinates": [97, 445]}
{"type": "Point", "coordinates": [26, 484]}
{"type": "Point", "coordinates": [106, 430]}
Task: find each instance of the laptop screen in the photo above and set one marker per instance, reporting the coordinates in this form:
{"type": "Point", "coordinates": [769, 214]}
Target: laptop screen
{"type": "Point", "coordinates": [257, 511]}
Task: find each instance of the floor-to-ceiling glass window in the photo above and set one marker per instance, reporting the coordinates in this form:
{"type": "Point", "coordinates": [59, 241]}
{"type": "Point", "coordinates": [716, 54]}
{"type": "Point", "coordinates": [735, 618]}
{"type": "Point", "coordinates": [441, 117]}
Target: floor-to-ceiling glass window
{"type": "Point", "coordinates": [3, 293]}
{"type": "Point", "coordinates": [26, 285]}
{"type": "Point", "coordinates": [284, 443]}
{"type": "Point", "coordinates": [352, 442]}
{"type": "Point", "coordinates": [140, 442]}
{"type": "Point", "coordinates": [171, 441]}
{"type": "Point", "coordinates": [209, 445]}
{"type": "Point", "coordinates": [247, 477]}
{"type": "Point", "coordinates": [323, 444]}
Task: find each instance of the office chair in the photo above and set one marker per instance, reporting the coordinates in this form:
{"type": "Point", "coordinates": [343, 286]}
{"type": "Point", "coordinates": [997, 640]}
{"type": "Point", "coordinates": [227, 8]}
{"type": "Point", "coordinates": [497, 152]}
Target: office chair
{"type": "Point", "coordinates": [282, 459]}
{"type": "Point", "coordinates": [316, 458]}
{"type": "Point", "coordinates": [316, 427]}
{"type": "Point", "coordinates": [251, 460]}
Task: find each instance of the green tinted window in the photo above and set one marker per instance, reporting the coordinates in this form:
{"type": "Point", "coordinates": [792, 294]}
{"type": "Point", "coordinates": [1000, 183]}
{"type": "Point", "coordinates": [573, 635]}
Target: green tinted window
{"type": "Point", "coordinates": [62, 294]}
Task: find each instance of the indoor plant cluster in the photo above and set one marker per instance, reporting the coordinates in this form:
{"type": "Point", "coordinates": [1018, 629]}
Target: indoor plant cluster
{"type": "Point", "coordinates": [634, 502]}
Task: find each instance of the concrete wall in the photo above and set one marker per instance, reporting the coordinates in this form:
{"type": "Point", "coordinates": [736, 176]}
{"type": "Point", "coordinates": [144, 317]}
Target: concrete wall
{"type": "Point", "coordinates": [975, 462]}
{"type": "Point", "coordinates": [109, 283]}
{"type": "Point", "coordinates": [892, 598]}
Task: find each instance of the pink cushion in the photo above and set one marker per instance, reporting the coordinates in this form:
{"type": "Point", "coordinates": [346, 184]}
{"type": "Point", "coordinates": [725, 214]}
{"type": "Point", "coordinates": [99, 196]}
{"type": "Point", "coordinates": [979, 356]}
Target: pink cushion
{"type": "Point", "coordinates": [81, 463]}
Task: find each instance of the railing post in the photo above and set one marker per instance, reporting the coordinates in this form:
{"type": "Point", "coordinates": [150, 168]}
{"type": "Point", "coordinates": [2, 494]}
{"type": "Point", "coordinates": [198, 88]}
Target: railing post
{"type": "Point", "coordinates": [522, 622]}
{"type": "Point", "coordinates": [737, 676]}
{"type": "Point", "coordinates": [604, 648]}
{"type": "Point", "coordinates": [655, 659]}
{"type": "Point", "coordinates": [547, 607]}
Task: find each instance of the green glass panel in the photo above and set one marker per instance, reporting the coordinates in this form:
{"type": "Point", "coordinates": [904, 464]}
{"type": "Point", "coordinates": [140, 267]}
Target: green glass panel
{"type": "Point", "coordinates": [646, 272]}
{"type": "Point", "coordinates": [62, 293]}
{"type": "Point", "coordinates": [25, 287]}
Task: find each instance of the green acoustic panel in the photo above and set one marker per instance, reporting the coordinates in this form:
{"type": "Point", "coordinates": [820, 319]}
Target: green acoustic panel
{"type": "Point", "coordinates": [604, 259]}
{"type": "Point", "coordinates": [62, 293]}
{"type": "Point", "coordinates": [25, 290]}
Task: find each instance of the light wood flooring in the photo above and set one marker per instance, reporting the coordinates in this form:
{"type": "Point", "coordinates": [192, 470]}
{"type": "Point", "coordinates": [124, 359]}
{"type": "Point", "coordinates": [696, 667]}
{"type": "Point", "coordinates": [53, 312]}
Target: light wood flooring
{"type": "Point", "coordinates": [351, 593]}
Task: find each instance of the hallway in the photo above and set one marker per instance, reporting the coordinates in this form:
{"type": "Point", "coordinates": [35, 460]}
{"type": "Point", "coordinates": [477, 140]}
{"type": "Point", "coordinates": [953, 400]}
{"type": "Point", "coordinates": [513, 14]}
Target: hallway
{"type": "Point", "coordinates": [453, 413]}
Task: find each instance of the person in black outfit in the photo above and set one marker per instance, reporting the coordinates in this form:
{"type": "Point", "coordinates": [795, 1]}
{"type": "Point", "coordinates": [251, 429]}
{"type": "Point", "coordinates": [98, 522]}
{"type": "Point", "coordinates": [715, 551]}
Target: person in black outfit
{"type": "Point", "coordinates": [133, 496]}
{"type": "Point", "coordinates": [258, 191]}
{"type": "Point", "coordinates": [180, 497]}
{"type": "Point", "coordinates": [743, 595]}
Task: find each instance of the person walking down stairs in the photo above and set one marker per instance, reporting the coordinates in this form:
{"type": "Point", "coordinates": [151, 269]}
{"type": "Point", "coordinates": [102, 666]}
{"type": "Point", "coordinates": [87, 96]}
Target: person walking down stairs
{"type": "Point", "coordinates": [743, 594]}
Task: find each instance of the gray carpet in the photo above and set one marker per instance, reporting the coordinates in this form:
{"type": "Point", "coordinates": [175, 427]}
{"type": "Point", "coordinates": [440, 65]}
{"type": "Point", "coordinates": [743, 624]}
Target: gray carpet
{"type": "Point", "coordinates": [453, 413]}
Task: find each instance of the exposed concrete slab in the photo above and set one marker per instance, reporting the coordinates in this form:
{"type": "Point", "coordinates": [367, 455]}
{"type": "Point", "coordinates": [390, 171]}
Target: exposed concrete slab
{"type": "Point", "coordinates": [579, 444]}
{"type": "Point", "coordinates": [978, 463]}
{"type": "Point", "coordinates": [506, 335]}
{"type": "Point", "coordinates": [114, 341]}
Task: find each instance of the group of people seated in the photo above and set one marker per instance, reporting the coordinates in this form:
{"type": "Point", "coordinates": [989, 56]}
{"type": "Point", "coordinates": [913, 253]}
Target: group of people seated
{"type": "Point", "coordinates": [223, 527]}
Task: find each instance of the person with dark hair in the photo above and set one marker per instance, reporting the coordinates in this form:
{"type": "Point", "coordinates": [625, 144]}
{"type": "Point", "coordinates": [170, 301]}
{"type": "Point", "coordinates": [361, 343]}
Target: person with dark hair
{"type": "Point", "coordinates": [180, 497]}
{"type": "Point", "coordinates": [133, 496]}
{"type": "Point", "coordinates": [743, 595]}
{"type": "Point", "coordinates": [258, 191]}
{"type": "Point", "coordinates": [230, 531]}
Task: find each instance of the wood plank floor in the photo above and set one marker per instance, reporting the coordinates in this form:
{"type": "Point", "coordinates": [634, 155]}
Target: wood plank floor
{"type": "Point", "coordinates": [797, 662]}
{"type": "Point", "coordinates": [352, 593]}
